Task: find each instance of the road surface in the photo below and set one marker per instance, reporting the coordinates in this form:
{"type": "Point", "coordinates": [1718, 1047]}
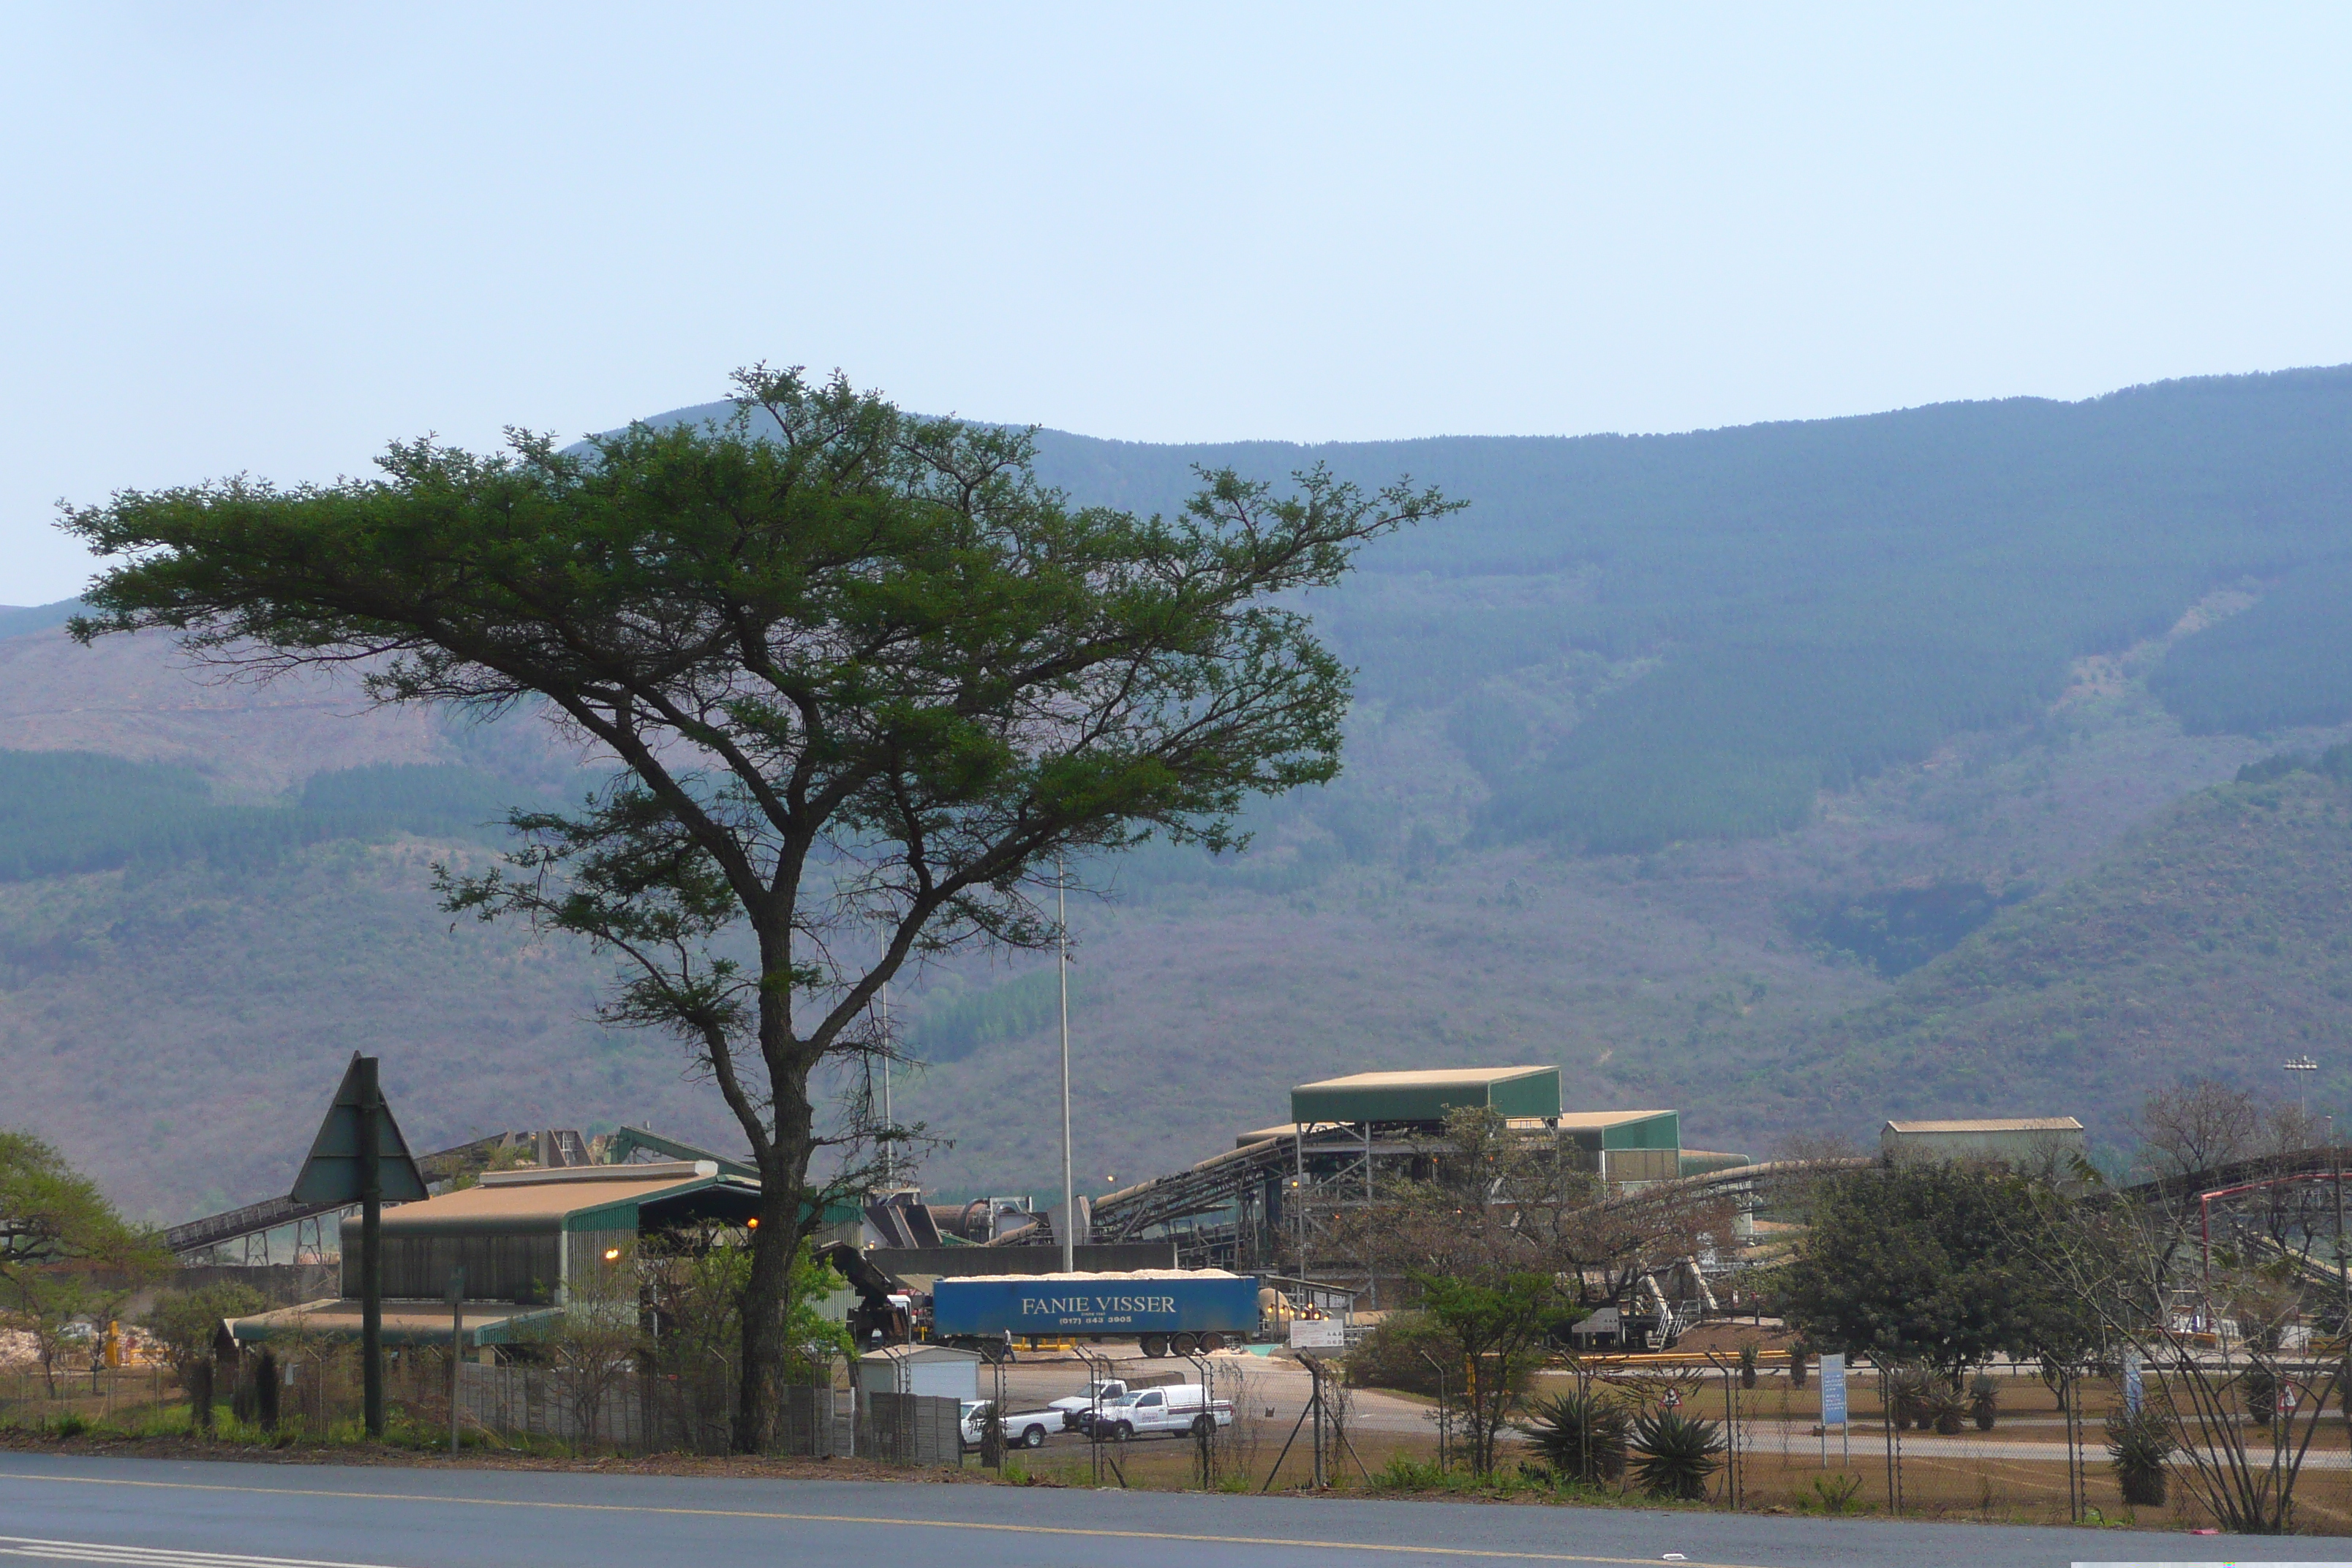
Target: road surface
{"type": "Point", "coordinates": [171, 1514]}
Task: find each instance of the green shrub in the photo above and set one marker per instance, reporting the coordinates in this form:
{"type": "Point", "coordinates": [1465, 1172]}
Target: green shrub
{"type": "Point", "coordinates": [70, 1425]}
{"type": "Point", "coordinates": [1833, 1494]}
{"type": "Point", "coordinates": [1675, 1455]}
{"type": "Point", "coordinates": [187, 1321]}
{"type": "Point", "coordinates": [1405, 1474]}
{"type": "Point", "coordinates": [1397, 1353]}
{"type": "Point", "coordinates": [1580, 1436]}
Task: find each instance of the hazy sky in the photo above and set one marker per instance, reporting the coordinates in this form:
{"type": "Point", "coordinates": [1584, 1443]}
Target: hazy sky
{"type": "Point", "coordinates": [268, 240]}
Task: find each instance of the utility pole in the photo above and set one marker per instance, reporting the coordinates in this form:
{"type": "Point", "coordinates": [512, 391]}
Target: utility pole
{"type": "Point", "coordinates": [456, 1294]}
{"type": "Point", "coordinates": [371, 1174]}
{"type": "Point", "coordinates": [359, 1157]}
{"type": "Point", "coordinates": [2342, 1274]}
{"type": "Point", "coordinates": [1069, 1226]}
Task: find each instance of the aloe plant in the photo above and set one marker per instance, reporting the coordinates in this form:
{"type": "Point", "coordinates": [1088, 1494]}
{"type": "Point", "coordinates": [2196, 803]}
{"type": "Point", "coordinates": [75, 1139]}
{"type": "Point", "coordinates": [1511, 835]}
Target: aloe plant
{"type": "Point", "coordinates": [1750, 1353]}
{"type": "Point", "coordinates": [1580, 1436]}
{"type": "Point", "coordinates": [1942, 1406]}
{"type": "Point", "coordinates": [2137, 1446]}
{"type": "Point", "coordinates": [1675, 1455]}
{"type": "Point", "coordinates": [1984, 1400]}
{"type": "Point", "coordinates": [1908, 1390]}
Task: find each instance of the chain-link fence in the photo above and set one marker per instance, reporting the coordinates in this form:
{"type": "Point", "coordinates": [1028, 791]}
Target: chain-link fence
{"type": "Point", "coordinates": [313, 1391]}
{"type": "Point", "coordinates": [2014, 1440]}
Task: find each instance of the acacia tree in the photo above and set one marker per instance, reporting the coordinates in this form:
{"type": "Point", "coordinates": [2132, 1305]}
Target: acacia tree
{"type": "Point", "coordinates": [860, 672]}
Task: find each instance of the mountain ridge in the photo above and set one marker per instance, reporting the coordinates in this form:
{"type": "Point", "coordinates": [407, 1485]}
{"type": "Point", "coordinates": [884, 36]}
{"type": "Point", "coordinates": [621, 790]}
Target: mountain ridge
{"type": "Point", "coordinates": [1669, 768]}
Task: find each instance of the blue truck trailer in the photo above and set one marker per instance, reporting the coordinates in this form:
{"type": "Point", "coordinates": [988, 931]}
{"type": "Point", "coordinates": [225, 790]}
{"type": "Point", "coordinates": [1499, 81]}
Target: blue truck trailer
{"type": "Point", "coordinates": [1179, 1309]}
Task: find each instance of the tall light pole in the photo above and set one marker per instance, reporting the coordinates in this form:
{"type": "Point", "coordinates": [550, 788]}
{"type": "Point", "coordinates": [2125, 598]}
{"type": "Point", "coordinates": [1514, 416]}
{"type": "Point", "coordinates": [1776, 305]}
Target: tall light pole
{"type": "Point", "coordinates": [1069, 1226]}
{"type": "Point", "coordinates": [2302, 1068]}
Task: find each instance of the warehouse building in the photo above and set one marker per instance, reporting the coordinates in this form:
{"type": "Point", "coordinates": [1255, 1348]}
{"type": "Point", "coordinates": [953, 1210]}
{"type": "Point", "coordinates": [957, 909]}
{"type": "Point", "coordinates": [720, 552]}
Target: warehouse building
{"type": "Point", "coordinates": [2022, 1142]}
{"type": "Point", "coordinates": [1617, 1145]}
{"type": "Point", "coordinates": [533, 1244]}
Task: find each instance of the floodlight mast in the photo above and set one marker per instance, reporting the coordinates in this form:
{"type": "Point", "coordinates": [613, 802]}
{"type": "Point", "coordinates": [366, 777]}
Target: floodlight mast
{"type": "Point", "coordinates": [2301, 1068]}
{"type": "Point", "coordinates": [1069, 1226]}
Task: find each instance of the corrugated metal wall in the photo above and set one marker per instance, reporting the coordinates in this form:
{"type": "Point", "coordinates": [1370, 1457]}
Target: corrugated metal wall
{"type": "Point", "coordinates": [524, 1270]}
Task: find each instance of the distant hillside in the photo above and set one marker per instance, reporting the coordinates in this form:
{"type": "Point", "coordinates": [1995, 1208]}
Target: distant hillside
{"type": "Point", "coordinates": [2217, 940]}
{"type": "Point", "coordinates": [1636, 640]}
{"type": "Point", "coordinates": [1712, 767]}
{"type": "Point", "coordinates": [17, 619]}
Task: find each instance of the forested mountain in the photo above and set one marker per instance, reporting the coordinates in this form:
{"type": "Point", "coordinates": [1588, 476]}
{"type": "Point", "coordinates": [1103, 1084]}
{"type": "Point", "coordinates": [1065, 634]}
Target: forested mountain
{"type": "Point", "coordinates": [2219, 934]}
{"type": "Point", "coordinates": [1710, 766]}
{"type": "Point", "coordinates": [1808, 603]}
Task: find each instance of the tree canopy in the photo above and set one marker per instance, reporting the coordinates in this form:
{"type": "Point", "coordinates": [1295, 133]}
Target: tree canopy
{"type": "Point", "coordinates": [864, 677]}
{"type": "Point", "coordinates": [65, 1253]}
{"type": "Point", "coordinates": [1930, 1263]}
{"type": "Point", "coordinates": [51, 1214]}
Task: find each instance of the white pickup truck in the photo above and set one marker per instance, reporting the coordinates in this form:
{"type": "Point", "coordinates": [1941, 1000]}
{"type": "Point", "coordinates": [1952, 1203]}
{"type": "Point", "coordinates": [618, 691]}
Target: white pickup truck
{"type": "Point", "coordinates": [1022, 1428]}
{"type": "Point", "coordinates": [1175, 1412]}
{"type": "Point", "coordinates": [1077, 1409]}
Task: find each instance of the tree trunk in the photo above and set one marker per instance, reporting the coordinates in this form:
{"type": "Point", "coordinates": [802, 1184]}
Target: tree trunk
{"type": "Point", "coordinates": [773, 1245]}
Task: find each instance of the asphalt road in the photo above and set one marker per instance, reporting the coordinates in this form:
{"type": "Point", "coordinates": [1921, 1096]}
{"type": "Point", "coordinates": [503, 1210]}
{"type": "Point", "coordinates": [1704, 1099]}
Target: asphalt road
{"type": "Point", "coordinates": [158, 1514]}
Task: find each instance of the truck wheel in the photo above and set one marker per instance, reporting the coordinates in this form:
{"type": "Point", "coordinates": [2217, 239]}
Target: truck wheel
{"type": "Point", "coordinates": [1155, 1345]}
{"type": "Point", "coordinates": [1212, 1341]}
{"type": "Point", "coordinates": [1185, 1344]}
{"type": "Point", "coordinates": [1034, 1437]}
{"type": "Point", "coordinates": [1203, 1426]}
{"type": "Point", "coordinates": [1122, 1432]}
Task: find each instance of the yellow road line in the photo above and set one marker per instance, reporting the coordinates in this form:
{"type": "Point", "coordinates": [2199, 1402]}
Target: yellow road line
{"type": "Point", "coordinates": [1308, 1544]}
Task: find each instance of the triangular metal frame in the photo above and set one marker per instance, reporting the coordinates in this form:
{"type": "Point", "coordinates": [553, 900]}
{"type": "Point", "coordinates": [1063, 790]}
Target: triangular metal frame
{"type": "Point", "coordinates": [331, 1172]}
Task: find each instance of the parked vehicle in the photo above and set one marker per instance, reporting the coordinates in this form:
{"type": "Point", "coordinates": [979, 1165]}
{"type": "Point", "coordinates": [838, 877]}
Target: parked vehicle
{"type": "Point", "coordinates": [1022, 1428]}
{"type": "Point", "coordinates": [1186, 1311]}
{"type": "Point", "coordinates": [1179, 1411]}
{"type": "Point", "coordinates": [1107, 1391]}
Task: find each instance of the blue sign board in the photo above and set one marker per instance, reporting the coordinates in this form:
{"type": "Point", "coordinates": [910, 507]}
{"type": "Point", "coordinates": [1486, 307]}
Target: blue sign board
{"type": "Point", "coordinates": [1094, 1304]}
{"type": "Point", "coordinates": [1834, 1390]}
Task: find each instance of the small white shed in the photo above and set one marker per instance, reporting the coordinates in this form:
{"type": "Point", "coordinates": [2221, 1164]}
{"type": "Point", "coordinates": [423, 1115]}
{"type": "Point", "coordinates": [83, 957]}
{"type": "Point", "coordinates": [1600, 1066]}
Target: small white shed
{"type": "Point", "coordinates": [935, 1370]}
